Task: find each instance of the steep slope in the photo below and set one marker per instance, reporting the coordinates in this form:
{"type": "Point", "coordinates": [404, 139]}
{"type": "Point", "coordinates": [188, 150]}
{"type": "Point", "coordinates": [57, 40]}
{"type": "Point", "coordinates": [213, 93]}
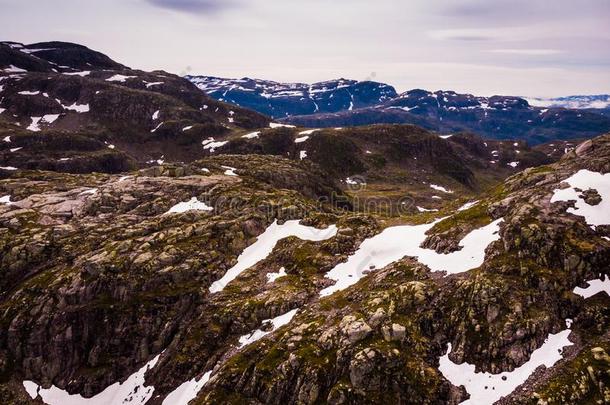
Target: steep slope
{"type": "Point", "coordinates": [341, 308]}
{"type": "Point", "coordinates": [279, 100]}
{"type": "Point", "coordinates": [80, 104]}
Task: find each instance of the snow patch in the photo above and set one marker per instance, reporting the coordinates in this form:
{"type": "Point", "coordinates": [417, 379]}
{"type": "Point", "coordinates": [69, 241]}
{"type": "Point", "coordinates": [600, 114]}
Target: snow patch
{"type": "Point", "coordinates": [396, 242]}
{"type": "Point", "coordinates": [191, 205]}
{"type": "Point", "coordinates": [79, 108]}
{"type": "Point", "coordinates": [251, 135]}
{"type": "Point", "coordinates": [14, 69]}
{"type": "Point", "coordinates": [50, 118]}
{"type": "Point", "coordinates": [91, 191]}
{"type": "Point", "coordinates": [487, 388]}
{"type": "Point", "coordinates": [5, 200]}
{"type": "Point", "coordinates": [265, 243]}
{"type": "Point", "coordinates": [271, 277]}
{"type": "Point", "coordinates": [308, 132]}
{"type": "Point", "coordinates": [81, 74]}
{"type": "Point", "coordinates": [150, 84]}
{"type": "Point", "coordinates": [594, 287]}
{"type": "Point", "coordinates": [421, 209]}
{"type": "Point", "coordinates": [157, 127]}
{"type": "Point", "coordinates": [230, 171]}
{"type": "Point", "coordinates": [276, 125]}
{"type": "Point", "coordinates": [132, 391]}
{"type": "Point", "coordinates": [468, 205]}
{"type": "Point", "coordinates": [594, 215]}
{"type": "Point", "coordinates": [34, 126]}
{"type": "Point", "coordinates": [119, 78]}
{"type": "Point", "coordinates": [440, 188]}
{"type": "Point", "coordinates": [212, 145]}
{"type": "Point", "coordinates": [276, 323]}
{"type": "Point", "coordinates": [301, 139]}
{"type": "Point", "coordinates": [187, 391]}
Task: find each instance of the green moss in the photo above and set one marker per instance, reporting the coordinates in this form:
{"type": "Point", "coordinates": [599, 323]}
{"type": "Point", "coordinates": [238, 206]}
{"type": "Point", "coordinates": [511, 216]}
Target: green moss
{"type": "Point", "coordinates": [539, 169]}
{"type": "Point", "coordinates": [474, 217]}
{"type": "Point", "coordinates": [573, 382]}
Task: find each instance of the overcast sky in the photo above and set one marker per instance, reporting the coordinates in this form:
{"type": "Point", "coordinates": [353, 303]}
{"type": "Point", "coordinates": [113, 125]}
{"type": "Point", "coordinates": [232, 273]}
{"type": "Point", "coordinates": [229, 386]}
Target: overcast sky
{"type": "Point", "coordinates": [484, 47]}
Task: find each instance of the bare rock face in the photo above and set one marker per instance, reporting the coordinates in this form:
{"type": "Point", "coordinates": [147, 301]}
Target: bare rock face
{"type": "Point", "coordinates": [591, 197]}
{"type": "Point", "coordinates": [354, 329]}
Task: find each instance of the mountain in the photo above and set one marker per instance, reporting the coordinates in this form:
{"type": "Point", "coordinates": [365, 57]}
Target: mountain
{"type": "Point", "coordinates": [235, 279]}
{"type": "Point", "coordinates": [329, 104]}
{"type": "Point", "coordinates": [279, 100]}
{"type": "Point", "coordinates": [66, 107]}
{"type": "Point", "coordinates": [496, 117]}
{"type": "Point", "coordinates": [161, 247]}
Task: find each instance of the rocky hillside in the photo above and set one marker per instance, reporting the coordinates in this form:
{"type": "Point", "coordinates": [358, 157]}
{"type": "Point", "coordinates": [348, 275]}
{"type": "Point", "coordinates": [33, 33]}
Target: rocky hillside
{"type": "Point", "coordinates": [237, 279]}
{"type": "Point", "coordinates": [394, 167]}
{"type": "Point", "coordinates": [279, 100]}
{"type": "Point", "coordinates": [66, 107]}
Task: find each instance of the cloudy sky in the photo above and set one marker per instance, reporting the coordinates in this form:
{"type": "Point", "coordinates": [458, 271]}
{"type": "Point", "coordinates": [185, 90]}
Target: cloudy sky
{"type": "Point", "coordinates": [517, 47]}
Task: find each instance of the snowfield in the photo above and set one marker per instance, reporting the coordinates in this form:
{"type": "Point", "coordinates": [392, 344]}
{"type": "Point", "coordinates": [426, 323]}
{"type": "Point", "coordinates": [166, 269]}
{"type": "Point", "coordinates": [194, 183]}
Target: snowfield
{"type": "Point", "coordinates": [79, 108]}
{"type": "Point", "coordinates": [211, 145]}
{"type": "Point", "coordinates": [276, 323]}
{"type": "Point", "coordinates": [396, 242]}
{"type": "Point", "coordinates": [119, 78]}
{"type": "Point", "coordinates": [276, 125]}
{"type": "Point", "coordinates": [487, 388]}
{"type": "Point", "coordinates": [308, 132]}
{"type": "Point", "coordinates": [132, 391]}
{"type": "Point", "coordinates": [187, 391]}
{"type": "Point", "coordinates": [271, 277]}
{"type": "Point", "coordinates": [191, 205]}
{"type": "Point", "coordinates": [34, 125]}
{"type": "Point", "coordinates": [594, 215]}
{"type": "Point", "coordinates": [5, 200]}
{"type": "Point", "coordinates": [440, 188]}
{"type": "Point", "coordinates": [265, 243]}
{"type": "Point", "coordinates": [595, 286]}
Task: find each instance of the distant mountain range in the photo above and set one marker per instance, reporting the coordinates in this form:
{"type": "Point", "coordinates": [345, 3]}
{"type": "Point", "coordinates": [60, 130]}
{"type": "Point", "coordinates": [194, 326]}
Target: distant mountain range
{"type": "Point", "coordinates": [345, 102]}
{"type": "Point", "coordinates": [280, 100]}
